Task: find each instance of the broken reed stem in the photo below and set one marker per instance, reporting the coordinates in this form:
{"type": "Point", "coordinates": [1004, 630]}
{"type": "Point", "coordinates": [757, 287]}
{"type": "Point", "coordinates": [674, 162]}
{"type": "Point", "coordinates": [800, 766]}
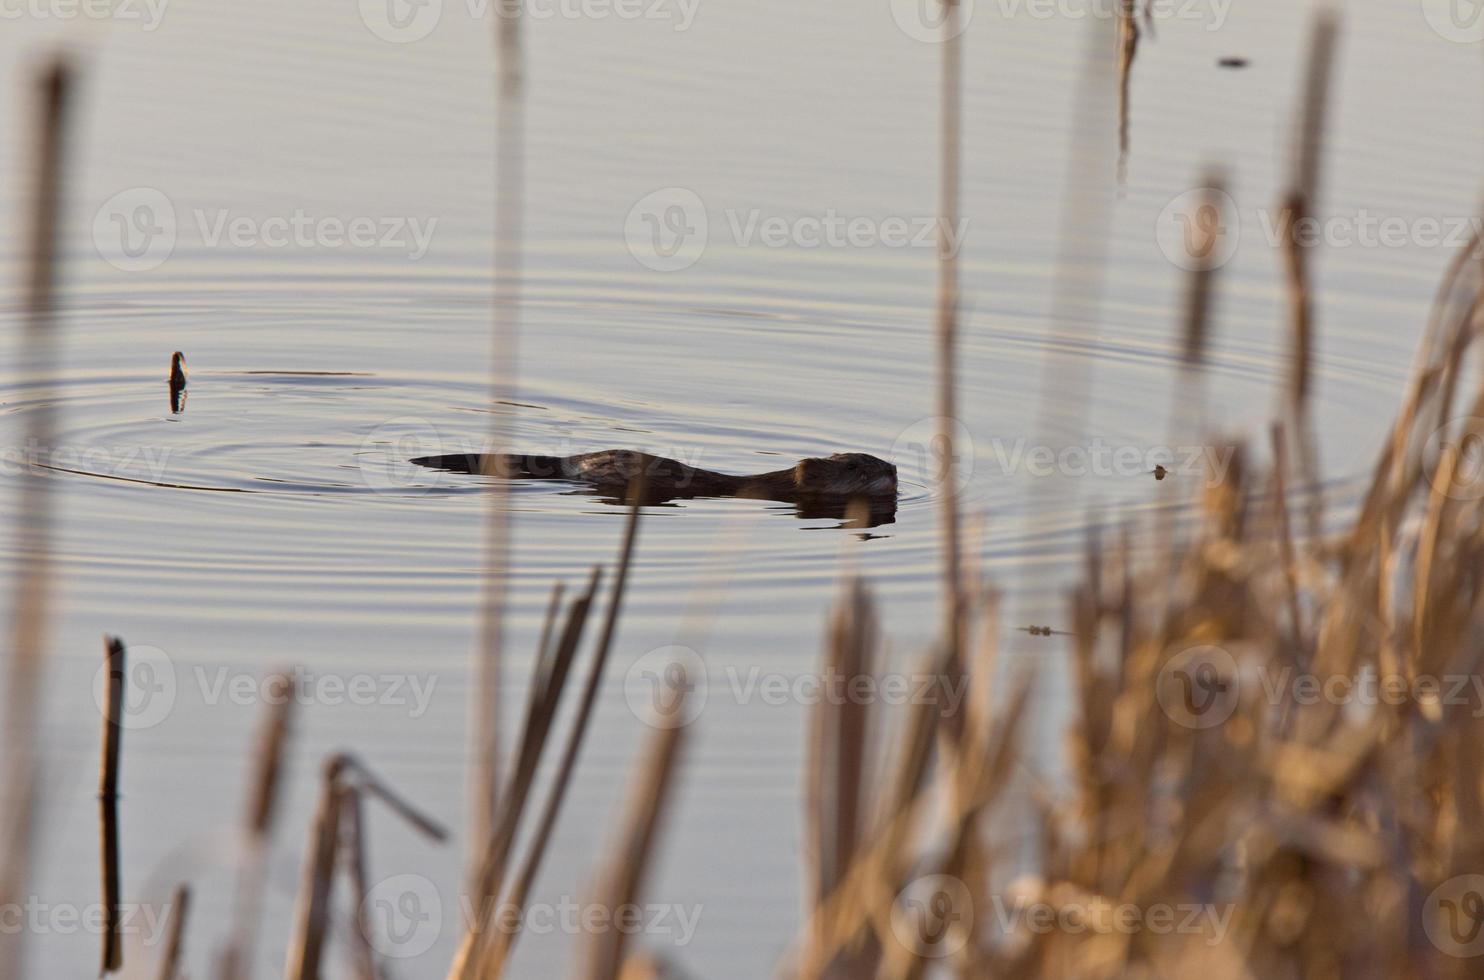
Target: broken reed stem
{"type": "Point", "coordinates": [236, 957]}
{"type": "Point", "coordinates": [29, 616]}
{"type": "Point", "coordinates": [345, 781]}
{"type": "Point", "coordinates": [180, 905]}
{"type": "Point", "coordinates": [116, 663]}
{"type": "Point", "coordinates": [509, 203]}
{"type": "Point", "coordinates": [623, 883]}
{"type": "Point", "coordinates": [472, 959]}
{"type": "Point", "coordinates": [947, 323]}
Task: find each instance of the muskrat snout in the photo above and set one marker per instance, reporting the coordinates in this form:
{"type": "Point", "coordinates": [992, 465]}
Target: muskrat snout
{"type": "Point", "coordinates": [847, 474]}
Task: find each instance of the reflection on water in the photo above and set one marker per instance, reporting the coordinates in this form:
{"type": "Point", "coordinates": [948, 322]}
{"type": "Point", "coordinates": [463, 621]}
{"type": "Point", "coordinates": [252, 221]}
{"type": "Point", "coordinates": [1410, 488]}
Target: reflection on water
{"type": "Point", "coordinates": [321, 364]}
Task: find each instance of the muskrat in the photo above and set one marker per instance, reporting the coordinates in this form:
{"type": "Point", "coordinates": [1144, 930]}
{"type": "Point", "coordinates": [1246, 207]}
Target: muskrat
{"type": "Point", "coordinates": [840, 477]}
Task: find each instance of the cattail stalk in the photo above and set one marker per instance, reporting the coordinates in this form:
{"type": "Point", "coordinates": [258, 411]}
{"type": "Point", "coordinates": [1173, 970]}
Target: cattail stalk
{"type": "Point", "coordinates": [115, 662]}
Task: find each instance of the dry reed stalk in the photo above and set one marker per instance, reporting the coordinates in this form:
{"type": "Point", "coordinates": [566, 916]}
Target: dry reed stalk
{"type": "Point", "coordinates": [1279, 501]}
{"type": "Point", "coordinates": [844, 734]}
{"type": "Point", "coordinates": [180, 906]}
{"type": "Point", "coordinates": [839, 767]}
{"type": "Point", "coordinates": [313, 920]}
{"type": "Point", "coordinates": [1296, 207]}
{"type": "Point", "coordinates": [947, 325]}
{"type": "Point", "coordinates": [1128, 49]}
{"type": "Point", "coordinates": [548, 621]}
{"type": "Point", "coordinates": [623, 883]}
{"type": "Point", "coordinates": [1437, 367]}
{"type": "Point", "coordinates": [1209, 226]}
{"type": "Point", "coordinates": [477, 956]}
{"type": "Point", "coordinates": [1302, 192]}
{"type": "Point", "coordinates": [30, 611]}
{"type": "Point", "coordinates": [257, 832]}
{"type": "Point", "coordinates": [979, 709]}
{"type": "Point", "coordinates": [115, 661]}
{"type": "Point", "coordinates": [353, 841]}
{"type": "Point", "coordinates": [509, 204]}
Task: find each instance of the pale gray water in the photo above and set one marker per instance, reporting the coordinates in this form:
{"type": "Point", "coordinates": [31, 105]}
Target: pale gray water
{"type": "Point", "coordinates": [752, 353]}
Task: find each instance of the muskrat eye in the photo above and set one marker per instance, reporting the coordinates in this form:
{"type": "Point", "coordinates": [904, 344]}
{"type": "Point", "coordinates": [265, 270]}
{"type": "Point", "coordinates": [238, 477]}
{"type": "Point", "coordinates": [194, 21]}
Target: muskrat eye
{"type": "Point", "coordinates": [851, 465]}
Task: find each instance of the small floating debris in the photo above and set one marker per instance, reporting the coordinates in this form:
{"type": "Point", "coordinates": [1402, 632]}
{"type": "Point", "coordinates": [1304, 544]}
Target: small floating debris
{"type": "Point", "coordinates": [1043, 631]}
{"type": "Point", "coordinates": [178, 377]}
{"type": "Point", "coordinates": [1159, 471]}
{"type": "Point", "coordinates": [1232, 61]}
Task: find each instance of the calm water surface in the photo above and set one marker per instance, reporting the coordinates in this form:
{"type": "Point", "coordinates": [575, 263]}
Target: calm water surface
{"type": "Point", "coordinates": [273, 523]}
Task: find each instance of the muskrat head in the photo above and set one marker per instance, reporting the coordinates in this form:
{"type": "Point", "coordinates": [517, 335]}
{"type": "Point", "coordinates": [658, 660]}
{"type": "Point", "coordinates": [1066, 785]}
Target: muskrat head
{"type": "Point", "coordinates": [846, 474]}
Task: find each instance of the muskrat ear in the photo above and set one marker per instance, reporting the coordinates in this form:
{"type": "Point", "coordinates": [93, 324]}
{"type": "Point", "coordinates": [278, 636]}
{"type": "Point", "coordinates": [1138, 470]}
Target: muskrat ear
{"type": "Point", "coordinates": [803, 471]}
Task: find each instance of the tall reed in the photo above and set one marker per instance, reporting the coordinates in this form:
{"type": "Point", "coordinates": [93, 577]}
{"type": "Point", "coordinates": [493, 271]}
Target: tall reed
{"type": "Point", "coordinates": [30, 614]}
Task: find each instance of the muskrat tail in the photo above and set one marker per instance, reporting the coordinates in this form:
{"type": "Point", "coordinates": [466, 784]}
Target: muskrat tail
{"type": "Point", "coordinates": [496, 464]}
